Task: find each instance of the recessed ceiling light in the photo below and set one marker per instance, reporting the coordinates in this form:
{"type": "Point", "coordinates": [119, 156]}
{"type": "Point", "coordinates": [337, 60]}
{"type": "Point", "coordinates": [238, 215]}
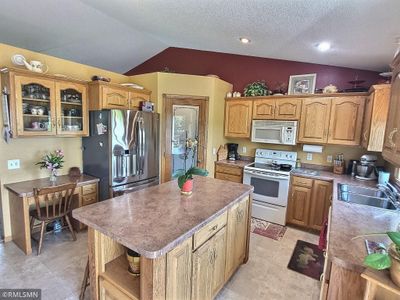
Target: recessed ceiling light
{"type": "Point", "coordinates": [244, 40]}
{"type": "Point", "coordinates": [324, 46]}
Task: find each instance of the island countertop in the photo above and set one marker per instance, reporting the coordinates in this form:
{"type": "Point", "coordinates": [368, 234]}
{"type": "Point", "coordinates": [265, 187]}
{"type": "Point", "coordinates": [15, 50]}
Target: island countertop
{"type": "Point", "coordinates": [155, 220]}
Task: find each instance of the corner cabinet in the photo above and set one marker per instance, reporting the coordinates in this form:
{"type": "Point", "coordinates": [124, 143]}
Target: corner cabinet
{"type": "Point", "coordinates": [45, 105]}
{"type": "Point", "coordinates": [238, 115]}
{"type": "Point", "coordinates": [104, 95]}
{"type": "Point", "coordinates": [391, 146]}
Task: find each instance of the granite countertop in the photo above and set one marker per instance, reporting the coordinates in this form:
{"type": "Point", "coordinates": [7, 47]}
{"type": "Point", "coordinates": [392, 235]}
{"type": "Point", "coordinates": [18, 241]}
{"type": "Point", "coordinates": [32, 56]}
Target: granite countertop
{"type": "Point", "coordinates": [25, 188]}
{"type": "Point", "coordinates": [155, 220]}
{"type": "Point", "coordinates": [234, 163]}
{"type": "Point", "coordinates": [350, 219]}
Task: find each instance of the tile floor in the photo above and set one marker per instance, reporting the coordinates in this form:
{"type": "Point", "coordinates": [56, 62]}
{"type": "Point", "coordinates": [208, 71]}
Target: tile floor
{"type": "Point", "coordinates": [59, 269]}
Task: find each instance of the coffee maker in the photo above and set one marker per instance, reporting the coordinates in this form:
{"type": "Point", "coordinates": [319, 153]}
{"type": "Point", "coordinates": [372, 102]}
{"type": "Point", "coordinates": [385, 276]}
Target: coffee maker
{"type": "Point", "coordinates": [366, 169]}
{"type": "Point", "coordinates": [232, 151]}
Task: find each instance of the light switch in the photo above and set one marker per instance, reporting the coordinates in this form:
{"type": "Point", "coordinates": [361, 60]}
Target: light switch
{"type": "Point", "coordinates": [329, 158]}
{"type": "Point", "coordinates": [214, 151]}
{"type": "Point", "coordinates": [244, 149]}
{"type": "Point", "coordinates": [13, 164]}
{"type": "Point", "coordinates": [309, 156]}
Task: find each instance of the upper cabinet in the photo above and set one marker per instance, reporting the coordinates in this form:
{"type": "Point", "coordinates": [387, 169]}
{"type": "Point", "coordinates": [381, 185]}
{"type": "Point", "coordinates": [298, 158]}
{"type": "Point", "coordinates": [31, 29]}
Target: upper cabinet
{"type": "Point", "coordinates": [346, 120]}
{"type": "Point", "coordinates": [391, 146]}
{"type": "Point", "coordinates": [105, 95]}
{"type": "Point", "coordinates": [314, 120]}
{"type": "Point", "coordinates": [375, 117]}
{"type": "Point", "coordinates": [238, 113]}
{"type": "Point", "coordinates": [277, 109]}
{"type": "Point", "coordinates": [44, 105]}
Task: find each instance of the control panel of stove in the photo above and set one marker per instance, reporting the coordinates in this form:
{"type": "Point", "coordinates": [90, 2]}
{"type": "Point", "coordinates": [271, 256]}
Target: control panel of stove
{"type": "Point", "coordinates": [276, 154]}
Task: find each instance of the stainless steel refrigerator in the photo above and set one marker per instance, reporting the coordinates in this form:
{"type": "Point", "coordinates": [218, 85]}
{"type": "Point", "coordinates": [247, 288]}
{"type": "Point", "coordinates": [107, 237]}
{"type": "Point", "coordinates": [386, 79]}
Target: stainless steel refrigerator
{"type": "Point", "coordinates": [122, 150]}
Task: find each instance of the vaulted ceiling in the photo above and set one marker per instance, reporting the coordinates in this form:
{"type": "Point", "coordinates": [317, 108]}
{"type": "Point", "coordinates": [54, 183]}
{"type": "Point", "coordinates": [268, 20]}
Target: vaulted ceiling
{"type": "Point", "coordinates": [117, 35]}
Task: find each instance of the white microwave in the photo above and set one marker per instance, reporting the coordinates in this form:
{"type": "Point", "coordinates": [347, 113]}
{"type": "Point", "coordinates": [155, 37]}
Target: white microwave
{"type": "Point", "coordinates": [274, 132]}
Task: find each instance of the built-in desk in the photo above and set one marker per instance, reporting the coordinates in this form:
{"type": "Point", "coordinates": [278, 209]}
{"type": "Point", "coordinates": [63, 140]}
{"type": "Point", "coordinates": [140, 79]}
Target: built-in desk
{"type": "Point", "coordinates": [22, 200]}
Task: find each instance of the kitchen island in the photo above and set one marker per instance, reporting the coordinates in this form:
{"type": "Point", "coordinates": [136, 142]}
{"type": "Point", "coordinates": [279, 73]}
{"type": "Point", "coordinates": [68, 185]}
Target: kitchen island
{"type": "Point", "coordinates": [189, 245]}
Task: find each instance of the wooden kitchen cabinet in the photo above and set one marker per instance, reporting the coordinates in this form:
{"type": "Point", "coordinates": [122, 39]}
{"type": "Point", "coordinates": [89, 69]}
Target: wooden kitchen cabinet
{"type": "Point", "coordinates": [346, 120]}
{"type": "Point", "coordinates": [391, 146]}
{"type": "Point", "coordinates": [236, 236]}
{"type": "Point", "coordinates": [45, 105]}
{"type": "Point", "coordinates": [309, 202]}
{"type": "Point", "coordinates": [277, 109]}
{"type": "Point", "coordinates": [314, 120]}
{"type": "Point", "coordinates": [219, 262]}
{"type": "Point", "coordinates": [105, 95]}
{"type": "Point", "coordinates": [375, 117]}
{"type": "Point", "coordinates": [179, 271]}
{"type": "Point", "coordinates": [232, 173]}
{"type": "Point", "coordinates": [238, 115]}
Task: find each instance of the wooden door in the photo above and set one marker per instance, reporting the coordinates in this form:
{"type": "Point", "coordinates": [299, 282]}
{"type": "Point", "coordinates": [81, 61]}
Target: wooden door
{"type": "Point", "coordinates": [35, 106]}
{"type": "Point", "coordinates": [236, 237]}
{"type": "Point", "coordinates": [391, 147]}
{"type": "Point", "coordinates": [287, 109]}
{"type": "Point", "coordinates": [299, 206]}
{"type": "Point", "coordinates": [369, 104]}
{"type": "Point", "coordinates": [109, 292]}
{"type": "Point", "coordinates": [179, 271]}
{"type": "Point", "coordinates": [72, 109]}
{"type": "Point", "coordinates": [346, 120]}
{"type": "Point", "coordinates": [203, 268]}
{"type": "Point", "coordinates": [114, 98]}
{"type": "Point", "coordinates": [171, 102]}
{"type": "Point", "coordinates": [135, 98]}
{"type": "Point", "coordinates": [263, 109]}
{"type": "Point", "coordinates": [314, 120]}
{"type": "Point", "coordinates": [320, 202]}
{"type": "Point", "coordinates": [238, 115]}
{"type": "Point", "coordinates": [219, 261]}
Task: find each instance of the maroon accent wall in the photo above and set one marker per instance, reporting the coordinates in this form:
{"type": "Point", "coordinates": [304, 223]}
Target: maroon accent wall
{"type": "Point", "coordinates": [241, 70]}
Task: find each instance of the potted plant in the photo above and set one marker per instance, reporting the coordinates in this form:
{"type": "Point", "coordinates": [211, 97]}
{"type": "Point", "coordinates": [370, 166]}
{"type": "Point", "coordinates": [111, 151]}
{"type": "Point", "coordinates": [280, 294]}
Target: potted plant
{"type": "Point", "coordinates": [185, 178]}
{"type": "Point", "coordinates": [389, 259]}
{"type": "Point", "coordinates": [52, 162]}
{"type": "Point", "coordinates": [257, 88]}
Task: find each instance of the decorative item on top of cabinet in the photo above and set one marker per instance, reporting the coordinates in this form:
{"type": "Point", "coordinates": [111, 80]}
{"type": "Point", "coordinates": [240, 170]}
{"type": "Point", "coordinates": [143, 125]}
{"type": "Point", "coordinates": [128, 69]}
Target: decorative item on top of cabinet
{"type": "Point", "coordinates": [257, 88]}
{"type": "Point", "coordinates": [238, 114]}
{"type": "Point", "coordinates": [346, 120]}
{"type": "Point", "coordinates": [308, 203]}
{"type": "Point", "coordinates": [105, 95]}
{"type": "Point", "coordinates": [375, 117]}
{"type": "Point", "coordinates": [43, 105]}
{"type": "Point", "coordinates": [222, 152]}
{"type": "Point", "coordinates": [391, 146]}
{"type": "Point", "coordinates": [277, 109]}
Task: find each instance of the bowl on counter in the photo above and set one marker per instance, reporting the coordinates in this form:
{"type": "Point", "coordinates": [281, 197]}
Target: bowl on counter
{"type": "Point", "coordinates": [72, 127]}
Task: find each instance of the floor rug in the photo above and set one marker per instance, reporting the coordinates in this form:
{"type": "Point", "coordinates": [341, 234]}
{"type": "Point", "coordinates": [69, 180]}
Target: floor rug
{"type": "Point", "coordinates": [267, 229]}
{"type": "Point", "coordinates": [307, 259]}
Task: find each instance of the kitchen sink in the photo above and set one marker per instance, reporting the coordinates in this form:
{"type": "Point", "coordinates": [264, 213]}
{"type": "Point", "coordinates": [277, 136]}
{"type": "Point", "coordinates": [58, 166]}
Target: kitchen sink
{"type": "Point", "coordinates": [365, 196]}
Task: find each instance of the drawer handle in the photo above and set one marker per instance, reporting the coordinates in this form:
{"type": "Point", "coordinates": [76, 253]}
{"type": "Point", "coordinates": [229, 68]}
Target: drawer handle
{"type": "Point", "coordinates": [214, 227]}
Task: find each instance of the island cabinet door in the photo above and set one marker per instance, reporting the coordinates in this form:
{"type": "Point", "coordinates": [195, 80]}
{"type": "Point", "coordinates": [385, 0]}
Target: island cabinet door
{"type": "Point", "coordinates": [203, 259]}
{"type": "Point", "coordinates": [219, 261]}
{"type": "Point", "coordinates": [236, 237]}
{"type": "Point", "coordinates": [179, 271]}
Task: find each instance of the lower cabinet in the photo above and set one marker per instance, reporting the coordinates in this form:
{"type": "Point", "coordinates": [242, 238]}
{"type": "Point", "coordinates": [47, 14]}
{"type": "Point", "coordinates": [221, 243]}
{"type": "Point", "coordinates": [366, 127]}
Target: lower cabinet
{"type": "Point", "coordinates": [309, 202]}
{"type": "Point", "coordinates": [109, 292]}
{"type": "Point", "coordinates": [227, 172]}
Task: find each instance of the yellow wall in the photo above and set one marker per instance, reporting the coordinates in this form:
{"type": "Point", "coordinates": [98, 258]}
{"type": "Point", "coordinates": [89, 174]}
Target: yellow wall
{"type": "Point", "coordinates": [29, 150]}
{"type": "Point", "coordinates": [191, 85]}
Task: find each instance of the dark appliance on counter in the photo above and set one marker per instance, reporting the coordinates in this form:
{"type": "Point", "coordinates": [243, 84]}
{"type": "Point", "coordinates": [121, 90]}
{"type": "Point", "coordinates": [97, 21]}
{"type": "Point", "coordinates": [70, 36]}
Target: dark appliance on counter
{"type": "Point", "coordinates": [233, 151]}
{"type": "Point", "coordinates": [122, 150]}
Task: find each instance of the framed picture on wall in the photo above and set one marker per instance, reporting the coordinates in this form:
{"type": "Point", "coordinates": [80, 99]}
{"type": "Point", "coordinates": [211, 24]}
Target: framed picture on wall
{"type": "Point", "coordinates": [302, 84]}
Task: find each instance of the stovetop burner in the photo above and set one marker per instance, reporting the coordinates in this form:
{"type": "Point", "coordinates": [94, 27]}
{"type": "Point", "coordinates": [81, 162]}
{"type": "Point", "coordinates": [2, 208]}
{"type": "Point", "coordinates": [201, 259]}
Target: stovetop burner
{"type": "Point", "coordinates": [273, 167]}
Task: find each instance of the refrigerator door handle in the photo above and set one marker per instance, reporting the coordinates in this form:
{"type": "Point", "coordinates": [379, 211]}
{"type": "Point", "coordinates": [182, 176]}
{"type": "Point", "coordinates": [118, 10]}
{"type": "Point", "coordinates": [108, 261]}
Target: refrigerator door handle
{"type": "Point", "coordinates": [142, 145]}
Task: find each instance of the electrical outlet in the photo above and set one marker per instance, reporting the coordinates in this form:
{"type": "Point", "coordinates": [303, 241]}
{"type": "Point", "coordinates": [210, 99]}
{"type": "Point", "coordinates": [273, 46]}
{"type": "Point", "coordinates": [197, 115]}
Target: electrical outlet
{"type": "Point", "coordinates": [244, 149]}
{"type": "Point", "coordinates": [13, 164]}
{"type": "Point", "coordinates": [214, 151]}
{"type": "Point", "coordinates": [329, 158]}
{"type": "Point", "coordinates": [309, 156]}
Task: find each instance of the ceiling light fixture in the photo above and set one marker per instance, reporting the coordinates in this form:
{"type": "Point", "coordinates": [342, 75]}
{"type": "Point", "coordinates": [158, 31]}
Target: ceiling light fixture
{"type": "Point", "coordinates": [324, 46]}
{"type": "Point", "coordinates": [244, 40]}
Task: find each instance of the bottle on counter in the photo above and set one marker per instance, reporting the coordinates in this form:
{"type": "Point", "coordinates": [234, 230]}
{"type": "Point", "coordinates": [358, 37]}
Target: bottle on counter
{"type": "Point", "coordinates": [298, 163]}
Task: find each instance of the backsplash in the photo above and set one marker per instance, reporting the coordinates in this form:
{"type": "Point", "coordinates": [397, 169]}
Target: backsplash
{"type": "Point", "coordinates": [350, 152]}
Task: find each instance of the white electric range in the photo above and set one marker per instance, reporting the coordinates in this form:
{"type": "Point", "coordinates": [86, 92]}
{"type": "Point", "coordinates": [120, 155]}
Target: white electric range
{"type": "Point", "coordinates": [270, 176]}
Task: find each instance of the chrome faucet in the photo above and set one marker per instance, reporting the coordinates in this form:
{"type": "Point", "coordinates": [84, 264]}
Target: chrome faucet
{"type": "Point", "coordinates": [391, 192]}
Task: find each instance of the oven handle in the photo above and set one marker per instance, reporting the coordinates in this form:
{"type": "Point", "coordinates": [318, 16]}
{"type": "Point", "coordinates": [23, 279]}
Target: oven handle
{"type": "Point", "coordinates": [266, 176]}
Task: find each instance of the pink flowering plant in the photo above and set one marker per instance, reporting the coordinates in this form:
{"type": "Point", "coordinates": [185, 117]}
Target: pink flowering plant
{"type": "Point", "coordinates": [52, 161]}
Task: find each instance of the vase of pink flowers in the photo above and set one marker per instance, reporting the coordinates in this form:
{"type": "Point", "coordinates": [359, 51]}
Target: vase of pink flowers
{"type": "Point", "coordinates": [52, 162]}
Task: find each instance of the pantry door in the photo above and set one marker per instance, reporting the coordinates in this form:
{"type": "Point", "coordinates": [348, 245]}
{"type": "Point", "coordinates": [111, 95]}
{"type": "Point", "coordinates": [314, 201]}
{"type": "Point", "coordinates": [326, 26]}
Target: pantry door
{"type": "Point", "coordinates": [185, 127]}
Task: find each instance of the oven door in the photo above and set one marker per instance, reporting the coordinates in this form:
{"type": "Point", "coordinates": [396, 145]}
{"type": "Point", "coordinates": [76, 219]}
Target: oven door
{"type": "Point", "coordinates": [268, 188]}
{"type": "Point", "coordinates": [267, 134]}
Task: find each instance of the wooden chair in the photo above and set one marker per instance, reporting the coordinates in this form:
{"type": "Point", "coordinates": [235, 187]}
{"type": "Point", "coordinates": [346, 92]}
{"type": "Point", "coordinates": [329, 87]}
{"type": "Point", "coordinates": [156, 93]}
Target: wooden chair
{"type": "Point", "coordinates": [52, 203]}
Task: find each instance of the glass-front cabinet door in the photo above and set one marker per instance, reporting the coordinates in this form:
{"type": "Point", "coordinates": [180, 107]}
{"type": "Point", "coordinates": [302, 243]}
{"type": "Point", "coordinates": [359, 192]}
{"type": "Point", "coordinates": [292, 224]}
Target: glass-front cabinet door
{"type": "Point", "coordinates": [72, 110]}
{"type": "Point", "coordinates": [35, 106]}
